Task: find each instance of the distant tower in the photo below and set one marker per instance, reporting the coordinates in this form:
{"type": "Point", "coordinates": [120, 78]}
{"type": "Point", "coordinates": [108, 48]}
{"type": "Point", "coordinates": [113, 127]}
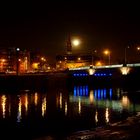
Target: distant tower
{"type": "Point", "coordinates": [69, 46]}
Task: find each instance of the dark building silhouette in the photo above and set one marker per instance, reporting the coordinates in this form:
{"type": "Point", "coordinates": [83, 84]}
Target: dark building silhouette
{"type": "Point", "coordinates": [69, 46]}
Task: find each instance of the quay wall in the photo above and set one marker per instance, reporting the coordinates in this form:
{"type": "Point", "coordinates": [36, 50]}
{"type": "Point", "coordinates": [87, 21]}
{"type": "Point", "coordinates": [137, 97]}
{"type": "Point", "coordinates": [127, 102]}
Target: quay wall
{"type": "Point", "coordinates": [32, 81]}
{"type": "Point", "coordinates": [101, 77]}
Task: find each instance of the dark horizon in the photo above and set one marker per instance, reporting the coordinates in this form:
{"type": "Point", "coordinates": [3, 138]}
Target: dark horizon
{"type": "Point", "coordinates": [45, 27]}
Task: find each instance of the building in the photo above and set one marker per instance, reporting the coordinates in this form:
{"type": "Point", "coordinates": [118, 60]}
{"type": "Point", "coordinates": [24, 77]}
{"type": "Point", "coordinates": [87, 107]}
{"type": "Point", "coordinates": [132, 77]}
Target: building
{"type": "Point", "coordinates": [70, 60]}
{"type": "Point", "coordinates": [14, 60]}
{"type": "Point", "coordinates": [75, 60]}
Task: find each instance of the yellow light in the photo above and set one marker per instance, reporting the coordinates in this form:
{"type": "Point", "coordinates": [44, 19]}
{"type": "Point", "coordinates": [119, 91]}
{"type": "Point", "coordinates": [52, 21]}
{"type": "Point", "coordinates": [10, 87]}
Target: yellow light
{"type": "Point", "coordinates": [43, 59]}
{"type": "Point", "coordinates": [106, 52]}
{"type": "Point", "coordinates": [48, 68]}
{"type": "Point", "coordinates": [19, 110]}
{"type": "Point", "coordinates": [26, 103]}
{"type": "Point", "coordinates": [66, 108]}
{"type": "Point", "coordinates": [96, 117]}
{"type": "Point", "coordinates": [75, 42]}
{"type": "Point", "coordinates": [60, 100]}
{"type": "Point", "coordinates": [107, 115]}
{"type": "Point", "coordinates": [125, 101]}
{"type": "Point", "coordinates": [3, 103]}
{"type": "Point", "coordinates": [3, 60]}
{"type": "Point", "coordinates": [91, 97]}
{"type": "Point", "coordinates": [138, 48]}
{"type": "Point", "coordinates": [125, 70]}
{"type": "Point", "coordinates": [79, 58]}
{"type": "Point", "coordinates": [98, 63]}
{"type": "Point", "coordinates": [91, 71]}
{"type": "Point", "coordinates": [79, 106]}
{"type": "Point", "coordinates": [43, 106]}
{"type": "Point", "coordinates": [35, 65]}
{"type": "Point", "coordinates": [36, 98]}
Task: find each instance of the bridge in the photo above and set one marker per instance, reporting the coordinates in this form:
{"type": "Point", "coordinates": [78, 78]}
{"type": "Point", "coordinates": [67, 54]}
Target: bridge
{"type": "Point", "coordinates": [128, 75]}
{"type": "Point", "coordinates": [106, 66]}
{"type": "Point", "coordinates": [104, 70]}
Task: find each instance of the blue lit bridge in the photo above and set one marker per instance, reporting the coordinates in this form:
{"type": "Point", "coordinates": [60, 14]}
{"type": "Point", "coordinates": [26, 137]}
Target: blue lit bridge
{"type": "Point", "coordinates": [118, 74]}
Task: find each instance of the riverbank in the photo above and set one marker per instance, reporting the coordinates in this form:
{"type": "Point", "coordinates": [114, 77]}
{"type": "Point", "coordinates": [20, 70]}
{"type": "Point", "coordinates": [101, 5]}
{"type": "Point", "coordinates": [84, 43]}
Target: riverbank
{"type": "Point", "coordinates": [123, 130]}
{"type": "Point", "coordinates": [32, 81]}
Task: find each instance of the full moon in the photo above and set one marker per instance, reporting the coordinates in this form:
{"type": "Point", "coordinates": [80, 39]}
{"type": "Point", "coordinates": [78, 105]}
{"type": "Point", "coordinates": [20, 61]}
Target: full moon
{"type": "Point", "coordinates": [75, 42]}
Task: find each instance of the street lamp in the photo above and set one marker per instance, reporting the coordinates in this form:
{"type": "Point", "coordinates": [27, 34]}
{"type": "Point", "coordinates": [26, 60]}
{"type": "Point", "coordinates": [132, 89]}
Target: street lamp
{"type": "Point", "coordinates": [125, 54]}
{"type": "Point", "coordinates": [18, 49]}
{"type": "Point", "coordinates": [79, 58]}
{"type": "Point", "coordinates": [107, 52]}
{"type": "Point", "coordinates": [95, 51]}
{"type": "Point", "coordinates": [17, 60]}
{"type": "Point", "coordinates": [138, 48]}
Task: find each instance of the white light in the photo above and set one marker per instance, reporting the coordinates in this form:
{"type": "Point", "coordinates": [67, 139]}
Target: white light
{"type": "Point", "coordinates": [91, 71]}
{"type": "Point", "coordinates": [18, 49]}
{"type": "Point", "coordinates": [125, 70]}
{"type": "Point", "coordinates": [76, 42]}
{"type": "Point", "coordinates": [107, 115]}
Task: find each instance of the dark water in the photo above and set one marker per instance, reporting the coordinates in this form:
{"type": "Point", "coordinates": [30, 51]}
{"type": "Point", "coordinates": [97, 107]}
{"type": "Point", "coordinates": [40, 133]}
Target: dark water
{"type": "Point", "coordinates": [58, 112]}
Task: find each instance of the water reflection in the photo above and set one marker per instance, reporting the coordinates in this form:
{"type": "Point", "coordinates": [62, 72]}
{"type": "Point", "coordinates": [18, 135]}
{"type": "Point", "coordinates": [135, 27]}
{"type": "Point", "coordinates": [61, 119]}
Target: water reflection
{"type": "Point", "coordinates": [43, 106]}
{"type": "Point", "coordinates": [82, 107]}
{"type": "Point", "coordinates": [60, 100]}
{"type": "Point", "coordinates": [105, 98]}
{"type": "Point", "coordinates": [3, 103]}
{"type": "Point", "coordinates": [26, 103]}
{"type": "Point", "coordinates": [79, 105]}
{"type": "Point", "coordinates": [66, 108]}
{"type": "Point", "coordinates": [36, 98]}
{"type": "Point", "coordinates": [91, 96]}
{"type": "Point", "coordinates": [102, 98]}
{"type": "Point", "coordinates": [9, 108]}
{"type": "Point", "coordinates": [19, 110]}
{"type": "Point", "coordinates": [81, 90]}
{"type": "Point", "coordinates": [107, 115]}
{"type": "Point", "coordinates": [125, 101]}
{"type": "Point", "coordinates": [96, 117]}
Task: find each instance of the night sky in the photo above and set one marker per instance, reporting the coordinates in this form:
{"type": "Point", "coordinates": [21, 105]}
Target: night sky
{"type": "Point", "coordinates": [44, 27]}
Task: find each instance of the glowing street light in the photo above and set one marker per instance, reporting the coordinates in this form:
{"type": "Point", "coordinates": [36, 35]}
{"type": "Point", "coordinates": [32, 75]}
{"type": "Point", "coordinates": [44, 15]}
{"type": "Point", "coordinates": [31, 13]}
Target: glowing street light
{"type": "Point", "coordinates": [43, 59]}
{"type": "Point", "coordinates": [138, 48]}
{"type": "Point", "coordinates": [18, 49]}
{"type": "Point", "coordinates": [17, 60]}
{"type": "Point", "coordinates": [79, 58]}
{"type": "Point", "coordinates": [107, 52]}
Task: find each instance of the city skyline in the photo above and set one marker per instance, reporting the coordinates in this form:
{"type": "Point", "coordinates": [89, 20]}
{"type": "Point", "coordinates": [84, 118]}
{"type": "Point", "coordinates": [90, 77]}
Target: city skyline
{"type": "Point", "coordinates": [46, 27]}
